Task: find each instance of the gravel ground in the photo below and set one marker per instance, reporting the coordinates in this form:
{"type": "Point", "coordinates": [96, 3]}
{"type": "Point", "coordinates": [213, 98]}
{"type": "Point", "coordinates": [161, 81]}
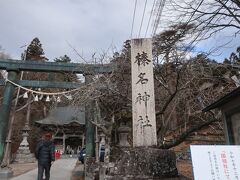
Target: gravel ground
{"type": "Point", "coordinates": [19, 169]}
{"type": "Point", "coordinates": [60, 170]}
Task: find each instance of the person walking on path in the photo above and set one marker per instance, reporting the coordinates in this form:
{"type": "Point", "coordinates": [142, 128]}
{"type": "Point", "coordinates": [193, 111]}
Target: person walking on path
{"type": "Point", "coordinates": [45, 155]}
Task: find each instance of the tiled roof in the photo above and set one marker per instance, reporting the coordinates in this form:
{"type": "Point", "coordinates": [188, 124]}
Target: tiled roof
{"type": "Point", "coordinates": [64, 115]}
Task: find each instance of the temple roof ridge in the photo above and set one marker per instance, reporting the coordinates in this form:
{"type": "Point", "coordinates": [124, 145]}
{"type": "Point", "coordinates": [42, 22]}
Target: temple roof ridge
{"type": "Point", "coordinates": [64, 115]}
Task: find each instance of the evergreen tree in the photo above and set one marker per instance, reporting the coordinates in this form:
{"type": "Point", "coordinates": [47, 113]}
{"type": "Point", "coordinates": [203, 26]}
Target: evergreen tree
{"type": "Point", "coordinates": [69, 77]}
{"type": "Point", "coordinates": [34, 51]}
{"type": "Point", "coordinates": [234, 57]}
{"type": "Point", "coordinates": [63, 59]}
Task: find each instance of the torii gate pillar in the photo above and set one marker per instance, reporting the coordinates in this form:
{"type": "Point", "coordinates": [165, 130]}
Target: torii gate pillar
{"type": "Point", "coordinates": [5, 109]}
{"type": "Point", "coordinates": [89, 130]}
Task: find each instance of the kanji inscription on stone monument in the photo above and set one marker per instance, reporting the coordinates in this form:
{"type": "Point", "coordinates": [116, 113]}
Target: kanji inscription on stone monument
{"type": "Point", "coordinates": [143, 101]}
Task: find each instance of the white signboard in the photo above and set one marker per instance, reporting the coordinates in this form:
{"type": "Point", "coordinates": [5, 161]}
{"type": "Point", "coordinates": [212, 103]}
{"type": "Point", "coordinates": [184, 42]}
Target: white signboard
{"type": "Point", "coordinates": [216, 162]}
{"type": "Point", "coordinates": [143, 101]}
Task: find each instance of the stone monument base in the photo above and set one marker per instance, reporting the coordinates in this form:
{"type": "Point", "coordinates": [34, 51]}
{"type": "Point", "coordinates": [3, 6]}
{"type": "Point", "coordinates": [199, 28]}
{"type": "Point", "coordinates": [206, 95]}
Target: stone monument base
{"type": "Point", "coordinates": [144, 163]}
{"type": "Point", "coordinates": [143, 178]}
{"type": "Point", "coordinates": [24, 156]}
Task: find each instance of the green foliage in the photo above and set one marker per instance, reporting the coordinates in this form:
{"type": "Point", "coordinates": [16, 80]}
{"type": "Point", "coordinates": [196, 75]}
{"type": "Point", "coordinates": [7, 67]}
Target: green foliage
{"type": "Point", "coordinates": [34, 51]}
{"type": "Point", "coordinates": [69, 77]}
{"type": "Point", "coordinates": [63, 59]}
{"type": "Point", "coordinates": [234, 57]}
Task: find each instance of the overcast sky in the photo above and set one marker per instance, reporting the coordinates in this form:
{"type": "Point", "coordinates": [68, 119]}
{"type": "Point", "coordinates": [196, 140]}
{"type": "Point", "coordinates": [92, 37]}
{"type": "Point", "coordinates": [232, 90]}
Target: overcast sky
{"type": "Point", "coordinates": [88, 25]}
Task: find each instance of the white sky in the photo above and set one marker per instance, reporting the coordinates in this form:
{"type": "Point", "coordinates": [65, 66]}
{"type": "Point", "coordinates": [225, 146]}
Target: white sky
{"type": "Point", "coordinates": [88, 25]}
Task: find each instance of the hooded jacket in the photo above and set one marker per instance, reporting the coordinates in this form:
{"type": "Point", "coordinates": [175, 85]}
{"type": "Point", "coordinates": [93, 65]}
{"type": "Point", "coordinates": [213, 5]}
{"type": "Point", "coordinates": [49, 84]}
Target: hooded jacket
{"type": "Point", "coordinates": [45, 152]}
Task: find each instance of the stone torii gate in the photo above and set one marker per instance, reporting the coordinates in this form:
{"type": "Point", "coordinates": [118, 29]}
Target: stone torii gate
{"type": "Point", "coordinates": [13, 67]}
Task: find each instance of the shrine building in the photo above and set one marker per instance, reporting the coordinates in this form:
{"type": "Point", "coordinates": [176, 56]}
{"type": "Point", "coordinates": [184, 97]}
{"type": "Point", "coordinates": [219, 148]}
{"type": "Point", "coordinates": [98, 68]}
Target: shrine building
{"type": "Point", "coordinates": [67, 125]}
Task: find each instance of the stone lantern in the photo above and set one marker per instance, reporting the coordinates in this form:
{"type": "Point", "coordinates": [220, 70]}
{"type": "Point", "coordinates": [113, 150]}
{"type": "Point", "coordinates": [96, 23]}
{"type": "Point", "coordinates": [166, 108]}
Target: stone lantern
{"type": "Point", "coordinates": [25, 135]}
{"type": "Point", "coordinates": [23, 154]}
{"type": "Point", "coordinates": [102, 139]}
{"type": "Point", "coordinates": [123, 132]}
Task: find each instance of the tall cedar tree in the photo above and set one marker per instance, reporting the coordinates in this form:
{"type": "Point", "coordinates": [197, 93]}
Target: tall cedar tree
{"type": "Point", "coordinates": [34, 51]}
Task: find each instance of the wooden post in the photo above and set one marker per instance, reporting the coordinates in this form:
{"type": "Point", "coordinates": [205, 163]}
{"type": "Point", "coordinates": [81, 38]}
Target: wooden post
{"type": "Point", "coordinates": [64, 143]}
{"type": "Point", "coordinates": [143, 100]}
{"type": "Point", "coordinates": [28, 110]}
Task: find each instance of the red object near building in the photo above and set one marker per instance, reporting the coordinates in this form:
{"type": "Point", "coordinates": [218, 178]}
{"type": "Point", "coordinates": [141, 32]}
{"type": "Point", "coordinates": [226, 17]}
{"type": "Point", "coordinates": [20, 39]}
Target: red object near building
{"type": "Point", "coordinates": [57, 154]}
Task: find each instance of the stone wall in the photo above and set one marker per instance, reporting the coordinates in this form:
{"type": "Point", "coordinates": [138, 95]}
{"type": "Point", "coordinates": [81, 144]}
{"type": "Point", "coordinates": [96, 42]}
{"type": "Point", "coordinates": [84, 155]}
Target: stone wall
{"type": "Point", "coordinates": [146, 163]}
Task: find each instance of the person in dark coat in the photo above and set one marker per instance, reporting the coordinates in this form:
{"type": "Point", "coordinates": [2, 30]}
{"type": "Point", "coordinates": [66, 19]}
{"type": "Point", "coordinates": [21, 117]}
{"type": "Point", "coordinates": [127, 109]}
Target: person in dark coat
{"type": "Point", "coordinates": [45, 155]}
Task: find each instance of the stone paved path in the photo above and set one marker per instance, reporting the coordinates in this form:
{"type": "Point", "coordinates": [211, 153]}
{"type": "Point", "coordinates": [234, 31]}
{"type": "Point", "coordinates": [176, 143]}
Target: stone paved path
{"type": "Point", "coordinates": [60, 170]}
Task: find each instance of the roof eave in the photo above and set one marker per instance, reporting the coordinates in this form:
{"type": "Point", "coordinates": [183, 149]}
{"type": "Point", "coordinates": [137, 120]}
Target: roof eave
{"type": "Point", "coordinates": [225, 99]}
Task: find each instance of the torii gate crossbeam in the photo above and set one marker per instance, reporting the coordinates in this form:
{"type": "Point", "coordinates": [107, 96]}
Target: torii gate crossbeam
{"type": "Point", "coordinates": [38, 66]}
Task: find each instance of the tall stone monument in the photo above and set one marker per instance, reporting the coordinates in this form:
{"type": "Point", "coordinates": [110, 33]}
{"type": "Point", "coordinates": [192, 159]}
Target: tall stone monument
{"type": "Point", "coordinates": [143, 160]}
{"type": "Point", "coordinates": [143, 100]}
